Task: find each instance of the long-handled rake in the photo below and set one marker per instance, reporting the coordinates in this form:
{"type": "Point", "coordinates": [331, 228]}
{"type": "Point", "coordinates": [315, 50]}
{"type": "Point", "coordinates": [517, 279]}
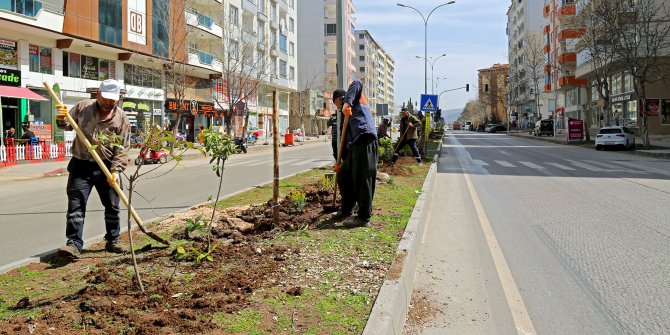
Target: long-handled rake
{"type": "Point", "coordinates": [103, 167]}
{"type": "Point", "coordinates": [334, 206]}
{"type": "Point", "coordinates": [395, 150]}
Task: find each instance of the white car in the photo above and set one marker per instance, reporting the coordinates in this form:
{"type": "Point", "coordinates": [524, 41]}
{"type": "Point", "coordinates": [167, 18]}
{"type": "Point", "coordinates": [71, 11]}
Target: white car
{"type": "Point", "coordinates": [615, 136]}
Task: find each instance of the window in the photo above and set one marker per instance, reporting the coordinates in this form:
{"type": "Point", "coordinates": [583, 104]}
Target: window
{"type": "Point", "coordinates": [362, 69]}
{"type": "Point", "coordinates": [291, 49]}
{"type": "Point", "coordinates": [233, 49]}
{"type": "Point", "coordinates": [361, 36]}
{"type": "Point", "coordinates": [71, 65]}
{"type": "Point", "coordinates": [261, 62]}
{"type": "Point", "coordinates": [282, 43]}
{"type": "Point", "coordinates": [261, 32]}
{"type": "Point", "coordinates": [26, 7]}
{"type": "Point", "coordinates": [282, 69]}
{"type": "Point", "coordinates": [291, 73]}
{"type": "Point", "coordinates": [234, 15]}
{"type": "Point", "coordinates": [361, 58]}
{"type": "Point", "coordinates": [291, 3]}
{"type": "Point", "coordinates": [330, 29]}
{"type": "Point", "coordinates": [160, 36]}
{"type": "Point", "coordinates": [361, 47]}
{"type": "Point", "coordinates": [109, 12]}
{"type": "Point", "coordinates": [39, 59]}
{"type": "Point", "coordinates": [628, 82]}
{"type": "Point", "coordinates": [665, 112]}
{"type": "Point", "coordinates": [103, 69]}
{"type": "Point", "coordinates": [273, 37]}
{"type": "Point", "coordinates": [291, 25]}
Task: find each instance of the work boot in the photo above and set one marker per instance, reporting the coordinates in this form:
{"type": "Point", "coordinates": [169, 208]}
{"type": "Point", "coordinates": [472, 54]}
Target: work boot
{"type": "Point", "coordinates": [69, 251]}
{"type": "Point", "coordinates": [339, 215]}
{"type": "Point", "coordinates": [356, 222]}
{"type": "Point", "coordinates": [115, 247]}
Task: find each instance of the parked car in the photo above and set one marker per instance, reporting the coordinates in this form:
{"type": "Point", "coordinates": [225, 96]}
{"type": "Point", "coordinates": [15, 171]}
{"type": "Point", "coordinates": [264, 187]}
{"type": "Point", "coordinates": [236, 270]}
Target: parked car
{"type": "Point", "coordinates": [615, 136]}
{"type": "Point", "coordinates": [497, 128]}
{"type": "Point", "coordinates": [544, 127]}
{"type": "Point", "coordinates": [457, 126]}
{"type": "Point", "coordinates": [468, 125]}
{"type": "Point", "coordinates": [480, 128]}
{"type": "Point", "coordinates": [488, 127]}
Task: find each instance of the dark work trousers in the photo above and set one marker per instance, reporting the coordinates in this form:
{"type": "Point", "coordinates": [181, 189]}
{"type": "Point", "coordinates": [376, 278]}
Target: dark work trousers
{"type": "Point", "coordinates": [412, 145]}
{"type": "Point", "coordinates": [357, 176]}
{"type": "Point", "coordinates": [83, 176]}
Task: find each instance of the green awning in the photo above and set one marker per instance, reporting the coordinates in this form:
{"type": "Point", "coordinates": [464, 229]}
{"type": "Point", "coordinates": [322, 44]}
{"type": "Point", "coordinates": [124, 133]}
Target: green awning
{"type": "Point", "coordinates": [143, 107]}
{"type": "Point", "coordinates": [128, 104]}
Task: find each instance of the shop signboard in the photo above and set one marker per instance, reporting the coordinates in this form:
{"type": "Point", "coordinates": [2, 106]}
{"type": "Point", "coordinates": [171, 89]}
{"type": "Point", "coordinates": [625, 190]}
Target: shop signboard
{"type": "Point", "coordinates": [89, 67]}
{"type": "Point", "coordinates": [171, 106]}
{"type": "Point", "coordinates": [10, 77]}
{"type": "Point", "coordinates": [8, 54]}
{"type": "Point", "coordinates": [653, 107]}
{"type": "Point", "coordinates": [575, 129]}
{"type": "Point", "coordinates": [42, 131]}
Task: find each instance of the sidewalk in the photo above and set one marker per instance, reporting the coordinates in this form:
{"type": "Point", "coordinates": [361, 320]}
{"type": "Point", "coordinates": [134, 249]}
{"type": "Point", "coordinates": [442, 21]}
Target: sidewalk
{"type": "Point", "coordinates": [28, 170]}
{"type": "Point", "coordinates": [660, 144]}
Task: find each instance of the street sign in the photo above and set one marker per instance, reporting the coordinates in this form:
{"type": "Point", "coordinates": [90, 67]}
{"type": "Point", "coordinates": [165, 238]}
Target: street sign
{"type": "Point", "coordinates": [428, 103]}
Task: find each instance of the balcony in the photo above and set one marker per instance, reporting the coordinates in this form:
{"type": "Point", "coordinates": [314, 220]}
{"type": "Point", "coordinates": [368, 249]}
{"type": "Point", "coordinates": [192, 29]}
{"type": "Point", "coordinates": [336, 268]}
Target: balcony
{"type": "Point", "coordinates": [547, 68]}
{"type": "Point", "coordinates": [203, 59]}
{"type": "Point", "coordinates": [204, 22]}
{"type": "Point", "coordinates": [547, 48]}
{"type": "Point", "coordinates": [571, 33]}
{"type": "Point", "coordinates": [250, 6]}
{"type": "Point", "coordinates": [546, 11]}
{"type": "Point", "coordinates": [274, 22]}
{"type": "Point", "coordinates": [547, 88]}
{"type": "Point", "coordinates": [547, 29]}
{"type": "Point", "coordinates": [569, 81]}
{"type": "Point", "coordinates": [567, 58]}
{"type": "Point", "coordinates": [282, 5]}
{"type": "Point", "coordinates": [567, 10]}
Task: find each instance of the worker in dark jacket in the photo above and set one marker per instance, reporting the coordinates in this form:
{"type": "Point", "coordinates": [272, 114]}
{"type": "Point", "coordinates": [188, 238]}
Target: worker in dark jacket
{"type": "Point", "coordinates": [408, 135]}
{"type": "Point", "coordinates": [358, 170]}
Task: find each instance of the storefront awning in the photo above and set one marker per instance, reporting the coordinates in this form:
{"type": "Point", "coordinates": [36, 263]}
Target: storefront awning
{"type": "Point", "coordinates": [19, 92]}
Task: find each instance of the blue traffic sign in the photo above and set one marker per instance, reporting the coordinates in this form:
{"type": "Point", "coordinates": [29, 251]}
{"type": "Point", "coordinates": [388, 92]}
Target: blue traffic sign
{"type": "Point", "coordinates": [428, 103]}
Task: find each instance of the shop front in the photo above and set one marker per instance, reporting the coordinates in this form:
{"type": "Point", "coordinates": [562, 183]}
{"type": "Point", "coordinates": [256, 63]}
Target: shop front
{"type": "Point", "coordinates": [144, 107]}
{"type": "Point", "coordinates": [624, 110]}
{"type": "Point", "coordinates": [189, 116]}
{"type": "Point", "coordinates": [15, 104]}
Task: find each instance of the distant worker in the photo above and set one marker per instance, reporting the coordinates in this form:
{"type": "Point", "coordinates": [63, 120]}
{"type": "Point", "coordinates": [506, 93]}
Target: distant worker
{"type": "Point", "coordinates": [408, 135]}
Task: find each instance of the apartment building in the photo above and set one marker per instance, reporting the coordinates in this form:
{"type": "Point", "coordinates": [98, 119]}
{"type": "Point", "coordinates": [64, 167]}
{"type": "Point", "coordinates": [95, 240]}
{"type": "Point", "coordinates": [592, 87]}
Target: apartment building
{"type": "Point", "coordinates": [625, 107]}
{"type": "Point", "coordinates": [493, 93]}
{"type": "Point", "coordinates": [375, 69]}
{"type": "Point", "coordinates": [526, 82]}
{"type": "Point", "coordinates": [317, 36]}
{"type": "Point", "coordinates": [562, 33]}
{"type": "Point", "coordinates": [142, 43]}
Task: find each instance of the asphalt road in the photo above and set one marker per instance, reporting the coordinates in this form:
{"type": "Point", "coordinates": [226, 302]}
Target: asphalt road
{"type": "Point", "coordinates": [584, 234]}
{"type": "Point", "coordinates": [32, 217]}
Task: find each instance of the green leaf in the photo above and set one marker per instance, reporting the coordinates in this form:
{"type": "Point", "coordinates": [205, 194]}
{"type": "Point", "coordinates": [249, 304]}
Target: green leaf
{"type": "Point", "coordinates": [92, 147]}
{"type": "Point", "coordinates": [181, 250]}
{"type": "Point", "coordinates": [210, 258]}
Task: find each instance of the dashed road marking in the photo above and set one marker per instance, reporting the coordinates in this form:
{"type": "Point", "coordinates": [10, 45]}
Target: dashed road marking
{"type": "Point", "coordinates": [532, 165]}
{"type": "Point", "coordinates": [562, 167]}
{"type": "Point", "coordinates": [505, 164]}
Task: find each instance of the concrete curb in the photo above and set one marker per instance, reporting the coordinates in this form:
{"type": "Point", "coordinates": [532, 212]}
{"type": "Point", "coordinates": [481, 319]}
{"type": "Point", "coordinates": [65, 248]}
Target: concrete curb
{"type": "Point", "coordinates": [392, 304]}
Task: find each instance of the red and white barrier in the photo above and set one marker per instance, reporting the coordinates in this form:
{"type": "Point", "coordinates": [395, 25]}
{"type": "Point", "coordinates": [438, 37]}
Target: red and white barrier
{"type": "Point", "coordinates": [24, 152]}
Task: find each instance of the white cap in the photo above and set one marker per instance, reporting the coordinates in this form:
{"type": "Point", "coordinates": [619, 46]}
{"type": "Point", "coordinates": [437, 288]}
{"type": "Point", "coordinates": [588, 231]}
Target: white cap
{"type": "Point", "coordinates": [110, 89]}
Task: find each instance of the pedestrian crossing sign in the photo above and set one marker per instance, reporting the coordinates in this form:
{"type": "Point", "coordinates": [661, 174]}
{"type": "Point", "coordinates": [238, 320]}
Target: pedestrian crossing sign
{"type": "Point", "coordinates": [428, 103]}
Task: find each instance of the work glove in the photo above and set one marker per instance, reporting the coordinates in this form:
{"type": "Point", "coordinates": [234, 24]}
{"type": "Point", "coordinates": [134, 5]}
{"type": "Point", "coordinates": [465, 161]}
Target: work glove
{"type": "Point", "coordinates": [62, 113]}
{"type": "Point", "coordinates": [114, 179]}
{"type": "Point", "coordinates": [346, 110]}
{"type": "Point", "coordinates": [336, 168]}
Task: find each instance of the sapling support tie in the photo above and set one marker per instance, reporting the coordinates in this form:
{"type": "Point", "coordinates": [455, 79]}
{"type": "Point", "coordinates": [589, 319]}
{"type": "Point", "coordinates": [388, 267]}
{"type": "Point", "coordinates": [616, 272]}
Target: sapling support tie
{"type": "Point", "coordinates": [103, 167]}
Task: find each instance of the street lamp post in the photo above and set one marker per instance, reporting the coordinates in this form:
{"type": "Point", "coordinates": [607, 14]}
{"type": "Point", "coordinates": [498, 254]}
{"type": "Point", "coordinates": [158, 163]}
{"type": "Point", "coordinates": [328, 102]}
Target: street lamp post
{"type": "Point", "coordinates": [432, 71]}
{"type": "Point", "coordinates": [425, 40]}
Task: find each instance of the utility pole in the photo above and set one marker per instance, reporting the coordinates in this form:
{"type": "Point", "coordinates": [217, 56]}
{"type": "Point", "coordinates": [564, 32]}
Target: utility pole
{"type": "Point", "coordinates": [341, 67]}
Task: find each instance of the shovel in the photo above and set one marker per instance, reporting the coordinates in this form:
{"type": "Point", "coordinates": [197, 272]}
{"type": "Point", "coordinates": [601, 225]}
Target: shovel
{"type": "Point", "coordinates": [103, 167]}
{"type": "Point", "coordinates": [395, 154]}
{"type": "Point", "coordinates": [334, 206]}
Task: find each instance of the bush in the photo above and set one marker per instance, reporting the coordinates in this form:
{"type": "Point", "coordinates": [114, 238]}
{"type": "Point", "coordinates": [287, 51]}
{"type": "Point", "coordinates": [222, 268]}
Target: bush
{"type": "Point", "coordinates": [298, 198]}
{"type": "Point", "coordinates": [385, 150]}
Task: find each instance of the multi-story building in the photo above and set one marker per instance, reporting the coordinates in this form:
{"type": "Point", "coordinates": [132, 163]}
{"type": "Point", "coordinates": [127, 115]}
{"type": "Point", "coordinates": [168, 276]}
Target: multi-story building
{"type": "Point", "coordinates": [624, 104]}
{"type": "Point", "coordinates": [562, 34]}
{"type": "Point", "coordinates": [526, 59]}
{"type": "Point", "coordinates": [318, 51]}
{"type": "Point", "coordinates": [493, 93]}
{"type": "Point", "coordinates": [376, 71]}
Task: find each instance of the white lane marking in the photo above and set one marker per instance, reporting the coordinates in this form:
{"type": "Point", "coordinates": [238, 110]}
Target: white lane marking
{"type": "Point", "coordinates": [258, 163]}
{"type": "Point", "coordinates": [532, 165]}
{"type": "Point", "coordinates": [524, 326]}
{"type": "Point", "coordinates": [505, 164]}
{"type": "Point", "coordinates": [586, 166]}
{"type": "Point", "coordinates": [505, 153]}
{"type": "Point", "coordinates": [616, 167]}
{"type": "Point", "coordinates": [294, 161]}
{"type": "Point", "coordinates": [480, 162]}
{"type": "Point", "coordinates": [562, 167]}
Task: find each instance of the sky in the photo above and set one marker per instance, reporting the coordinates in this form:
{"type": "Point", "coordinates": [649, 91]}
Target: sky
{"type": "Point", "coordinates": [470, 32]}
